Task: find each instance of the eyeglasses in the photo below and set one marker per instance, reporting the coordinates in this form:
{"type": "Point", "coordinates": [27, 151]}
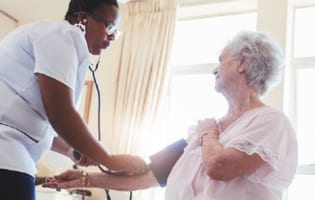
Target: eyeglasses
{"type": "Point", "coordinates": [110, 27]}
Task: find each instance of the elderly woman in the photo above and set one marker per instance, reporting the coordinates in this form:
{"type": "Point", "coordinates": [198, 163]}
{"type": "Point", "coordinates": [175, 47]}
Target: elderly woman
{"type": "Point", "coordinates": [250, 153]}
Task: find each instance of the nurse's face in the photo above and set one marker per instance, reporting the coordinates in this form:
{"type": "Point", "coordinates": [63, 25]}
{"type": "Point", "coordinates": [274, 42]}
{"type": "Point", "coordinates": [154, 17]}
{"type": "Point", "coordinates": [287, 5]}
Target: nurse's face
{"type": "Point", "coordinates": [101, 28]}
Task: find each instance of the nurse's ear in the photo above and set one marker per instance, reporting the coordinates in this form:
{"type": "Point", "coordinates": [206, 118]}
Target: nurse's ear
{"type": "Point", "coordinates": [81, 21]}
{"type": "Point", "coordinates": [82, 18]}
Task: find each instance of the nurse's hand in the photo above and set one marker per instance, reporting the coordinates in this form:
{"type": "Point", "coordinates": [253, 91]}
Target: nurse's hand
{"type": "Point", "coordinates": [80, 159]}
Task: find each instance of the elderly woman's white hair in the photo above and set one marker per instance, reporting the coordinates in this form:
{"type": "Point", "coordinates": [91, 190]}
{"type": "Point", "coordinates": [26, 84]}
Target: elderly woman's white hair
{"type": "Point", "coordinates": [265, 58]}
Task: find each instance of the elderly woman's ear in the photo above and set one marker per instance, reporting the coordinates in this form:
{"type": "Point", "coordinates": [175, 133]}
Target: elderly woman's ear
{"type": "Point", "coordinates": [244, 62]}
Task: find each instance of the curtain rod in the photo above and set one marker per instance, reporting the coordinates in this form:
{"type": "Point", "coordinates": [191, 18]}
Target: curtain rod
{"type": "Point", "coordinates": [9, 16]}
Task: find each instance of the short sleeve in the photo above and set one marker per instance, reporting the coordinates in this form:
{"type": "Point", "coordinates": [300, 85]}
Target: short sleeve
{"type": "Point", "coordinates": [56, 55]}
{"type": "Point", "coordinates": [270, 135]}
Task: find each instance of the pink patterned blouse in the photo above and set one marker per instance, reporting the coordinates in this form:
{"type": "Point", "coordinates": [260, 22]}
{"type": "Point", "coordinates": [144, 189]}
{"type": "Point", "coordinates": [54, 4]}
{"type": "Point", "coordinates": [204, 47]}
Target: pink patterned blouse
{"type": "Point", "coordinates": [264, 131]}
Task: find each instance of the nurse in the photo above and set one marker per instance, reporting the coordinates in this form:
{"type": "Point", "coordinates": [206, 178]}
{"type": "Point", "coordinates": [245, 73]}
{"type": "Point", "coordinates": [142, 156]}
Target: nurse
{"type": "Point", "coordinates": [42, 70]}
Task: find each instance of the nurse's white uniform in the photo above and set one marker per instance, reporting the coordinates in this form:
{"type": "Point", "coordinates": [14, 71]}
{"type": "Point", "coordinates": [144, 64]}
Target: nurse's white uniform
{"type": "Point", "coordinates": [55, 49]}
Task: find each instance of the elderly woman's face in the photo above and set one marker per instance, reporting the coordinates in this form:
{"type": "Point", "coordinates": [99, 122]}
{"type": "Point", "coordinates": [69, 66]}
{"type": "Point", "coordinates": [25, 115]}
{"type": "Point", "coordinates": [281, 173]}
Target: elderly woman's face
{"type": "Point", "coordinates": [227, 70]}
{"type": "Point", "coordinates": [99, 27]}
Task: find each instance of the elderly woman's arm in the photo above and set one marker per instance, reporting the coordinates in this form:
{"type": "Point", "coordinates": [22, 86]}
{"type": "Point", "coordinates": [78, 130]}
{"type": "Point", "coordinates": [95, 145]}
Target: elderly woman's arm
{"type": "Point", "coordinates": [124, 183]}
{"type": "Point", "coordinates": [225, 164]}
{"type": "Point", "coordinates": [76, 178]}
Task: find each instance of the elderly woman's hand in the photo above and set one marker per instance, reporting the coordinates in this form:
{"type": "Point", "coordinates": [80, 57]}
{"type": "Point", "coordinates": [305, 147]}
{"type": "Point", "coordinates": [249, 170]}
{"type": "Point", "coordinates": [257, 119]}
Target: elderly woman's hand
{"type": "Point", "coordinates": [68, 179]}
{"type": "Point", "coordinates": [207, 125]}
{"type": "Point", "coordinates": [207, 128]}
{"type": "Point", "coordinates": [196, 132]}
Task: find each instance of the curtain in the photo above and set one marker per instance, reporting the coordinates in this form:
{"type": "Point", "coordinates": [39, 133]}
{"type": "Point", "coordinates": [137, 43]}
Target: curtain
{"type": "Point", "coordinates": [142, 74]}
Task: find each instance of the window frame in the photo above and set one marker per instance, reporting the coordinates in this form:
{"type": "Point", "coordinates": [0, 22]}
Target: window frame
{"type": "Point", "coordinates": [301, 63]}
{"type": "Point", "coordinates": [194, 69]}
{"type": "Point", "coordinates": [291, 84]}
{"type": "Point", "coordinates": [296, 64]}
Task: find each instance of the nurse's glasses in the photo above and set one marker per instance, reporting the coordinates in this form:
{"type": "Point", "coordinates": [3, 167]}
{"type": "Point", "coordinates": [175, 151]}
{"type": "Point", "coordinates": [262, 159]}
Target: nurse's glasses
{"type": "Point", "coordinates": [110, 27]}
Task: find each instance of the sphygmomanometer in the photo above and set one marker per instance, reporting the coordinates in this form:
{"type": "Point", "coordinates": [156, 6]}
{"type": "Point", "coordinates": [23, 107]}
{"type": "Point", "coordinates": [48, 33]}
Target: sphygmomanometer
{"type": "Point", "coordinates": [161, 163]}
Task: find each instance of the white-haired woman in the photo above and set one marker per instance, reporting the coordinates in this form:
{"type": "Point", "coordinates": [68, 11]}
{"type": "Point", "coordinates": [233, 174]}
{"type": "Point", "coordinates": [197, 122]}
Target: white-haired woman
{"type": "Point", "coordinates": [250, 153]}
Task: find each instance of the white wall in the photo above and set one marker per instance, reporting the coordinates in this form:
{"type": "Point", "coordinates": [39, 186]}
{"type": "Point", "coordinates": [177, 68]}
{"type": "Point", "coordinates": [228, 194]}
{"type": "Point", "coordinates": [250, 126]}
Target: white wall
{"type": "Point", "coordinates": [6, 23]}
{"type": "Point", "coordinates": [274, 17]}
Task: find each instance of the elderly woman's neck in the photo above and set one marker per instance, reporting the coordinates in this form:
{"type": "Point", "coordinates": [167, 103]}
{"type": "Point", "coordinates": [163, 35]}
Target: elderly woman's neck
{"type": "Point", "coordinates": [240, 102]}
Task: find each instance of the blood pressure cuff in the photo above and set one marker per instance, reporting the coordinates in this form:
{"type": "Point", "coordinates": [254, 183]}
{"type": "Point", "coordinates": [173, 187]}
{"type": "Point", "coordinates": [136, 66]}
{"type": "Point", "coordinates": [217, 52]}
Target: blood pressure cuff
{"type": "Point", "coordinates": [163, 161]}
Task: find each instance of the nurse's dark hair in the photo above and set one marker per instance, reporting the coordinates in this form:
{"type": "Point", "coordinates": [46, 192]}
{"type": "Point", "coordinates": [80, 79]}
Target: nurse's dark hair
{"type": "Point", "coordinates": [89, 6]}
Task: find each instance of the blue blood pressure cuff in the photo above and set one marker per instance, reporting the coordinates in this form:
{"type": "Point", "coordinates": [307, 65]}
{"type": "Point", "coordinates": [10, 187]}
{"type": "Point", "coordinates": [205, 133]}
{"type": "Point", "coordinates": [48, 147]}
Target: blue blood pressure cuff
{"type": "Point", "coordinates": [163, 161]}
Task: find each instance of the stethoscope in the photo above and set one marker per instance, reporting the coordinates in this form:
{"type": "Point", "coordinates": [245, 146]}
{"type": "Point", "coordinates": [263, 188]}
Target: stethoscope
{"type": "Point", "coordinates": [93, 72]}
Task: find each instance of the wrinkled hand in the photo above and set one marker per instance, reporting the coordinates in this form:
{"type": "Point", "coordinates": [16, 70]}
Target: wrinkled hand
{"type": "Point", "coordinates": [196, 132]}
{"type": "Point", "coordinates": [210, 136]}
{"type": "Point", "coordinates": [208, 130]}
{"type": "Point", "coordinates": [68, 179]}
{"type": "Point", "coordinates": [207, 125]}
{"type": "Point", "coordinates": [129, 164]}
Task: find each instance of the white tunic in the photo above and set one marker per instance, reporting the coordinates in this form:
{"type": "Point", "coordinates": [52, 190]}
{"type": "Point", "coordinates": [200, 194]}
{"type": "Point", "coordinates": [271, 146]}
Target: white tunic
{"type": "Point", "coordinates": [55, 49]}
{"type": "Point", "coordinates": [264, 131]}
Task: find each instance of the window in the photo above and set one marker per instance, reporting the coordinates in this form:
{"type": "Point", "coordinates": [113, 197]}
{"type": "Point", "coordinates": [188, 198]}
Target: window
{"type": "Point", "coordinates": [303, 76]}
{"type": "Point", "coordinates": [305, 112]}
{"type": "Point", "coordinates": [196, 48]}
{"type": "Point", "coordinates": [191, 95]}
{"type": "Point", "coordinates": [200, 41]}
{"type": "Point", "coordinates": [192, 98]}
{"type": "Point", "coordinates": [304, 33]}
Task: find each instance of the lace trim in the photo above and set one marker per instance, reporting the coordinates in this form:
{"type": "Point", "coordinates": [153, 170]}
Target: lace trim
{"type": "Point", "coordinates": [250, 148]}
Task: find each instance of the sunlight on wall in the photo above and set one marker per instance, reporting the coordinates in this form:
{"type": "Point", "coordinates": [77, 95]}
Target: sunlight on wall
{"type": "Point", "coordinates": [7, 24]}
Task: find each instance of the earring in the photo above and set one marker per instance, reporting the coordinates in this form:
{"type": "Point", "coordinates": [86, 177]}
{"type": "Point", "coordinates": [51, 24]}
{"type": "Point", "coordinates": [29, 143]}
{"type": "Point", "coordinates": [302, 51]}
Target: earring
{"type": "Point", "coordinates": [81, 26]}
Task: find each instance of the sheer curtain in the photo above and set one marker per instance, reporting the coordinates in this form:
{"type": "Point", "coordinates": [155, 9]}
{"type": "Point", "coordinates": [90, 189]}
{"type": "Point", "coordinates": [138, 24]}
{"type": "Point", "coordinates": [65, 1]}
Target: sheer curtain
{"type": "Point", "coordinates": [148, 28]}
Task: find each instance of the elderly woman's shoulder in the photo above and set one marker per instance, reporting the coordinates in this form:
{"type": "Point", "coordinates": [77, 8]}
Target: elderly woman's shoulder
{"type": "Point", "coordinates": [271, 112]}
{"type": "Point", "coordinates": [275, 116]}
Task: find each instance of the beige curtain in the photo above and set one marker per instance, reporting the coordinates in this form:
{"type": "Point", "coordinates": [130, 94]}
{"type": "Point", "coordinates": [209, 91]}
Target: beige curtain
{"type": "Point", "coordinates": [143, 68]}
